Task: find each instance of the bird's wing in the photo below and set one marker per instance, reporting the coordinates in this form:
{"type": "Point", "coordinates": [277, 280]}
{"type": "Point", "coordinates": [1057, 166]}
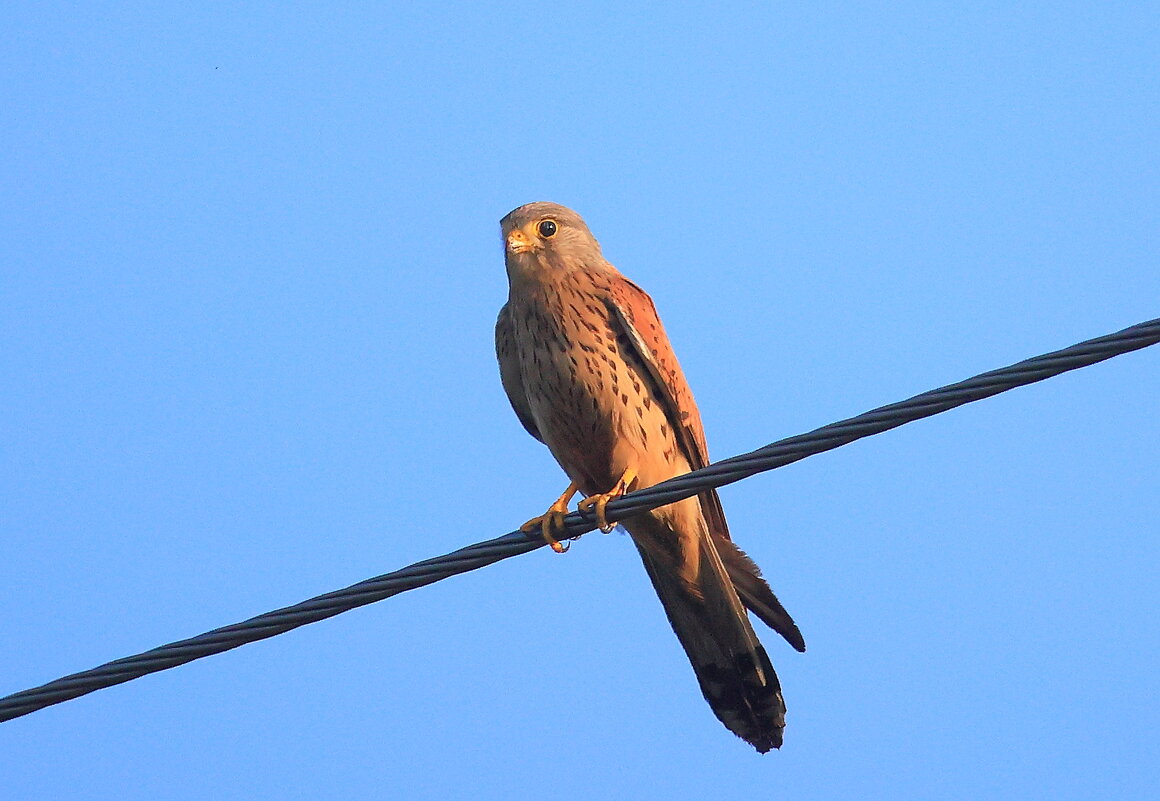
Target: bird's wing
{"type": "Point", "coordinates": [509, 371]}
{"type": "Point", "coordinates": [632, 310]}
{"type": "Point", "coordinates": [633, 313]}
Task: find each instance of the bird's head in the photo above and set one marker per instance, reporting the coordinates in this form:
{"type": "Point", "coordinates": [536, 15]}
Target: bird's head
{"type": "Point", "coordinates": [542, 237]}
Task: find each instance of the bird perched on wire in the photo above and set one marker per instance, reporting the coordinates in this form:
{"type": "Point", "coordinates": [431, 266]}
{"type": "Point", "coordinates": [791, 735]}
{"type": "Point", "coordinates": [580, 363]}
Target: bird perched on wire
{"type": "Point", "coordinates": [590, 372]}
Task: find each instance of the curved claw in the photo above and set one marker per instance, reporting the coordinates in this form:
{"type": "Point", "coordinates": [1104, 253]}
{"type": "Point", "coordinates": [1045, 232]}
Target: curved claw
{"type": "Point", "coordinates": [597, 503]}
{"type": "Point", "coordinates": [552, 521]}
{"type": "Point", "coordinates": [548, 523]}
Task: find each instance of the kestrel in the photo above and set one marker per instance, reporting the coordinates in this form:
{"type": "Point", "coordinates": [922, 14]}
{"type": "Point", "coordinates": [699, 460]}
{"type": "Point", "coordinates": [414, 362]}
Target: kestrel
{"type": "Point", "coordinates": [590, 372]}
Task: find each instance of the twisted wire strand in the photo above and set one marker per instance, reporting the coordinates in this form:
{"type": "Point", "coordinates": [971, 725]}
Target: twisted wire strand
{"type": "Point", "coordinates": [719, 474]}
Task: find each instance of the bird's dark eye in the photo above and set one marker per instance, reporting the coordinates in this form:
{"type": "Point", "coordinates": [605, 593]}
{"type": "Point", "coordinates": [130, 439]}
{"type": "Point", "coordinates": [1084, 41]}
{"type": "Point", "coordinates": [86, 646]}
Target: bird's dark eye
{"type": "Point", "coordinates": [547, 228]}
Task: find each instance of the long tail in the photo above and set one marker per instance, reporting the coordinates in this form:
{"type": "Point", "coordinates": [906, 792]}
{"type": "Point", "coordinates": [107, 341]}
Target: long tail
{"type": "Point", "coordinates": [735, 674]}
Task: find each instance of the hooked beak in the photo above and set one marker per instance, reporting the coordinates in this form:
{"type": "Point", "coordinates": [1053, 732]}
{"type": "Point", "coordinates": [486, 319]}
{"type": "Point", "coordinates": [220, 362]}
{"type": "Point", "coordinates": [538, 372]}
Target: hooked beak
{"type": "Point", "coordinates": [518, 242]}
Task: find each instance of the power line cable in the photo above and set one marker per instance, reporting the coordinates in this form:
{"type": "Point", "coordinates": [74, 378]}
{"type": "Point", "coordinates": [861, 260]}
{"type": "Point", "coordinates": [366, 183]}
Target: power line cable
{"type": "Point", "coordinates": [420, 574]}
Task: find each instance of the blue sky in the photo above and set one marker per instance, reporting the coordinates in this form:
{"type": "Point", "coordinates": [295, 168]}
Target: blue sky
{"type": "Point", "coordinates": [250, 265]}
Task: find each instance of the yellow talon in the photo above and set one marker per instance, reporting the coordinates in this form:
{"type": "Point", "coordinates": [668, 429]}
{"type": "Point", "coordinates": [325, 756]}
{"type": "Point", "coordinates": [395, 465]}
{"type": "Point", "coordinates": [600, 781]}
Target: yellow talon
{"type": "Point", "coordinates": [596, 503]}
{"type": "Point", "coordinates": [553, 520]}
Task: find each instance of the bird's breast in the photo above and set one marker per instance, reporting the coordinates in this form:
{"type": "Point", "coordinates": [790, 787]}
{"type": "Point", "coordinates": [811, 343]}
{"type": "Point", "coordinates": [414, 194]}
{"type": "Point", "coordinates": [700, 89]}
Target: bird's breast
{"type": "Point", "coordinates": [572, 373]}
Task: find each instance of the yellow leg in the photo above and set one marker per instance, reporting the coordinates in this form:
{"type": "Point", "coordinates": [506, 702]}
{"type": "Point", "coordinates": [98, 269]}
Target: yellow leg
{"type": "Point", "coordinates": [553, 519]}
{"type": "Point", "coordinates": [599, 501]}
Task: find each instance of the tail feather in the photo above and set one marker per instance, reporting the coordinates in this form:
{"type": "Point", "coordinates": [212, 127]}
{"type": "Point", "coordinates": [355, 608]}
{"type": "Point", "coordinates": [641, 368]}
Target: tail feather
{"type": "Point", "coordinates": [756, 594]}
{"type": "Point", "coordinates": [735, 674]}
